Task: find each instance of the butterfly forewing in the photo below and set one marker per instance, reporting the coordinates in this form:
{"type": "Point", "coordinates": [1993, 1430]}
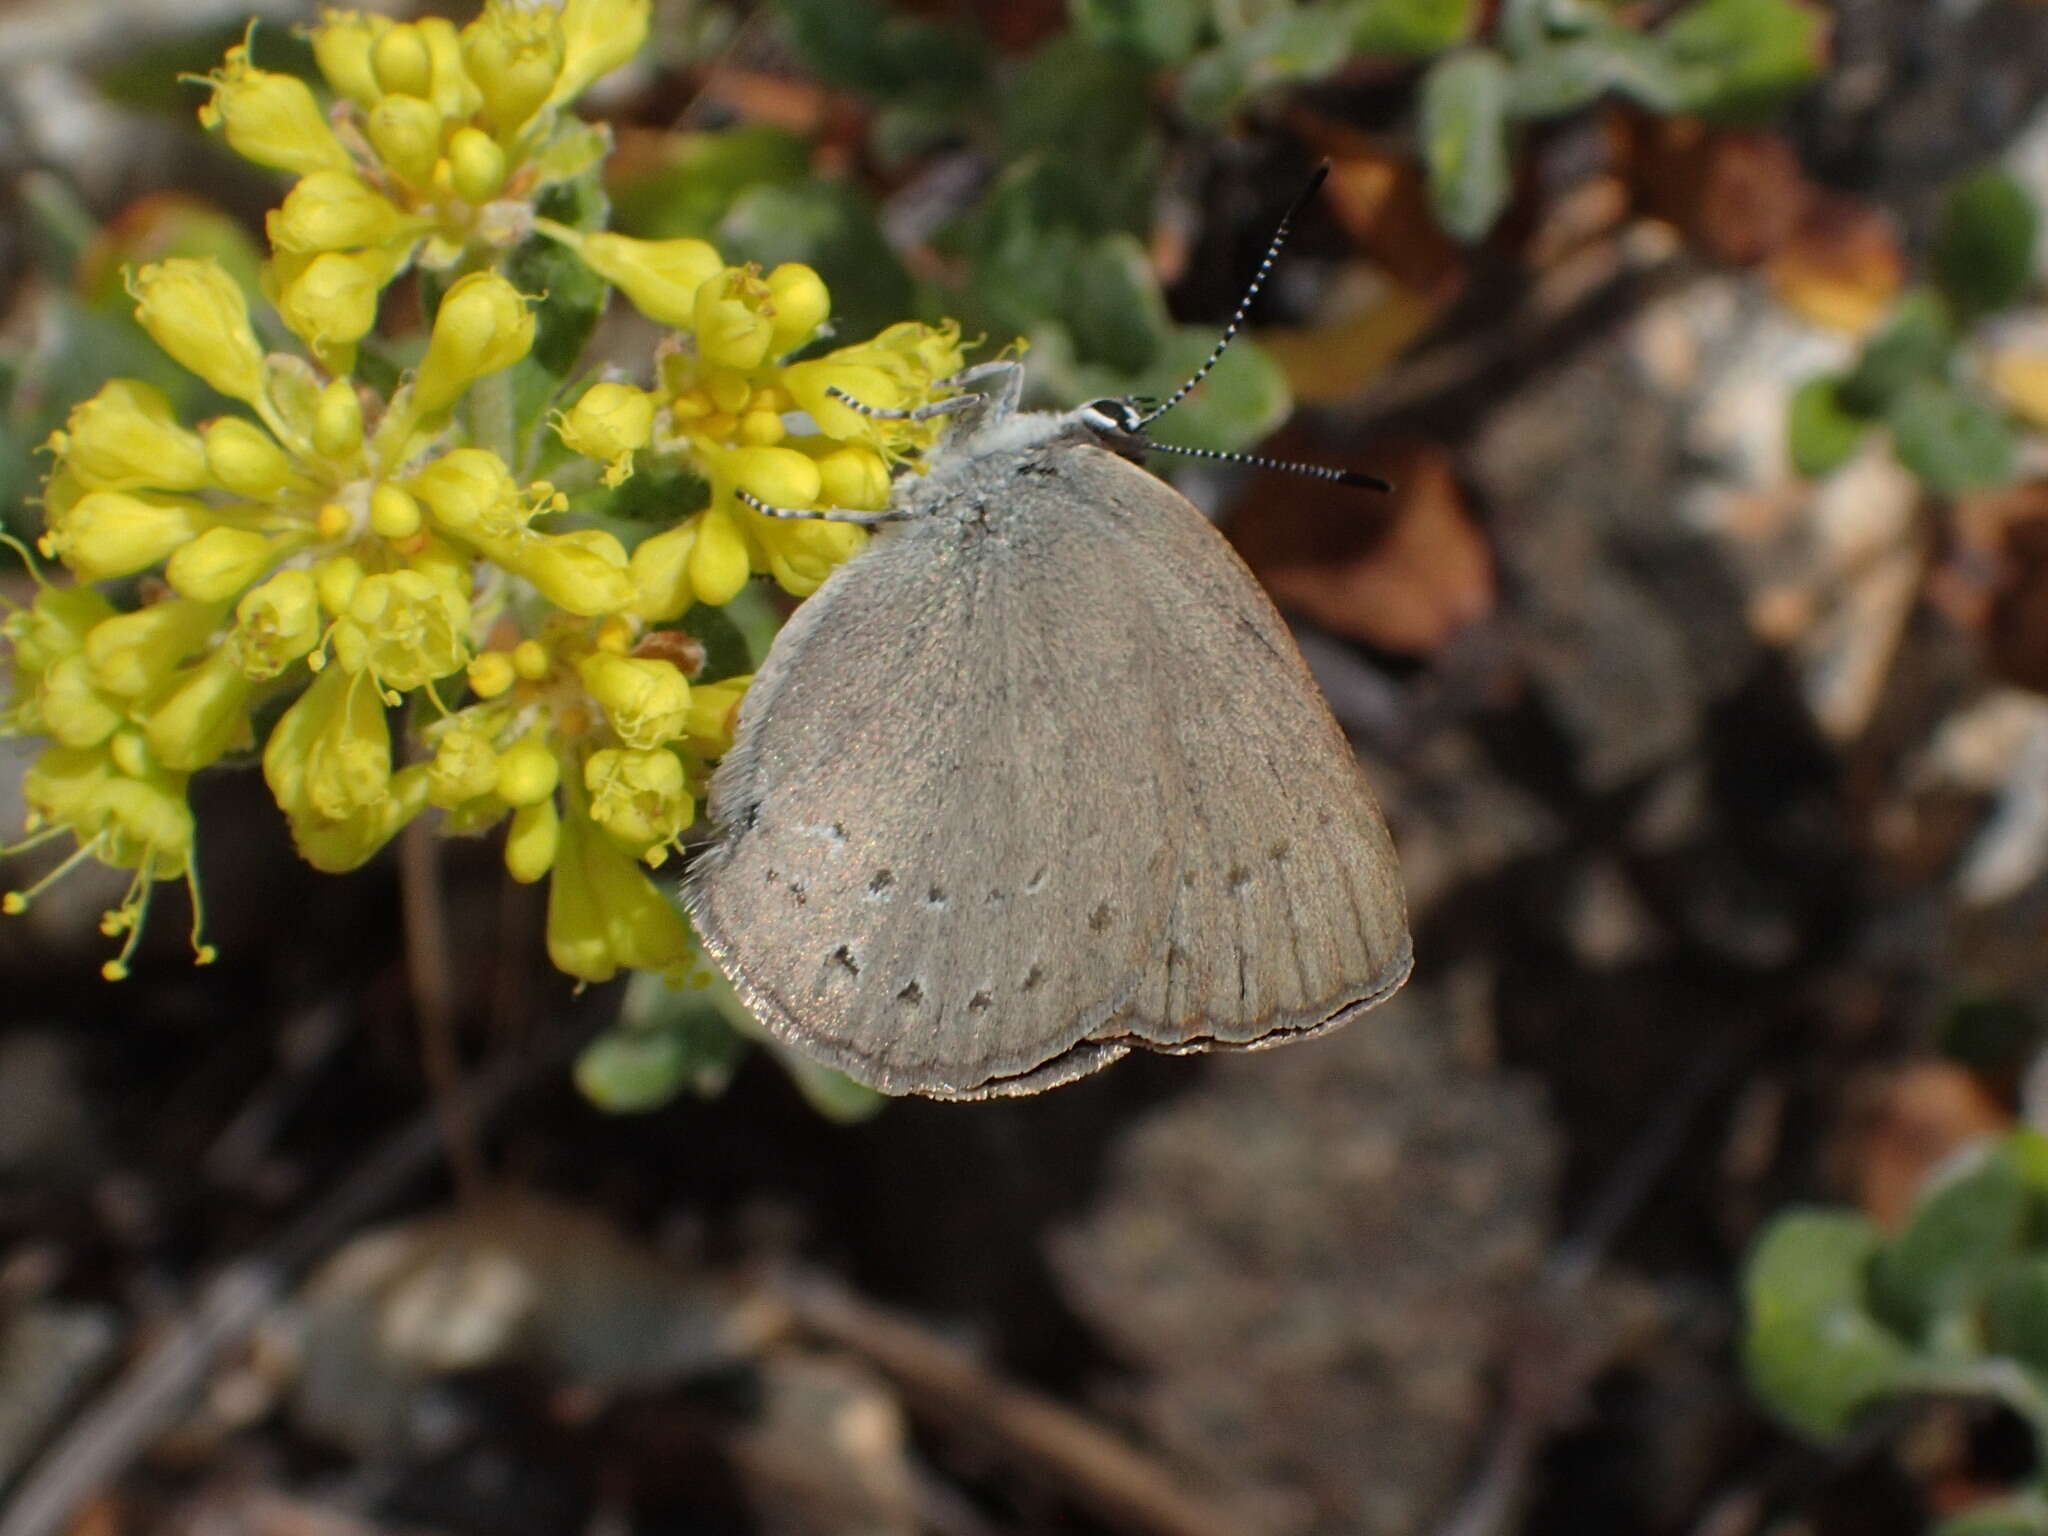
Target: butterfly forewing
{"type": "Point", "coordinates": [1022, 787]}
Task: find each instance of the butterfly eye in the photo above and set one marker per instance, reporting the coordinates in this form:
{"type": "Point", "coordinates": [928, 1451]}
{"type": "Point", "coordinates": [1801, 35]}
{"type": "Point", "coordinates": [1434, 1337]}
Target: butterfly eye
{"type": "Point", "coordinates": [1112, 416]}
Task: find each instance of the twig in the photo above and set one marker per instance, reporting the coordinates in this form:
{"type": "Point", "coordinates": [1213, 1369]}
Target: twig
{"type": "Point", "coordinates": [1539, 1391]}
{"type": "Point", "coordinates": [1100, 1470]}
{"type": "Point", "coordinates": [433, 999]}
{"type": "Point", "coordinates": [140, 1403]}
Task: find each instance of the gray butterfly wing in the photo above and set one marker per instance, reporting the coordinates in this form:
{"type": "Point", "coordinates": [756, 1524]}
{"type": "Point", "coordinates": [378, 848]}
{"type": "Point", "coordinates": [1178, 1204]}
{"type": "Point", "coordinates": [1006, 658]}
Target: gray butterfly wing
{"type": "Point", "coordinates": [1015, 793]}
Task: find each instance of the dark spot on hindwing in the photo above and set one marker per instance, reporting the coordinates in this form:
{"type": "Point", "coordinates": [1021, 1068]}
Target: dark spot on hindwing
{"type": "Point", "coordinates": [882, 880]}
{"type": "Point", "coordinates": [1033, 977]}
{"type": "Point", "coordinates": [980, 1002]}
{"type": "Point", "coordinates": [1240, 877]}
{"type": "Point", "coordinates": [1099, 920]}
{"type": "Point", "coordinates": [912, 994]}
{"type": "Point", "coordinates": [935, 896]}
{"type": "Point", "coordinates": [843, 958]}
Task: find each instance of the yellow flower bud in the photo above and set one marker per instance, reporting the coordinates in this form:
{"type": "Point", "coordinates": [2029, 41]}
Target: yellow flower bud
{"type": "Point", "coordinates": [781, 477]}
{"type": "Point", "coordinates": [452, 92]}
{"type": "Point", "coordinates": [530, 660]}
{"type": "Point", "coordinates": [338, 844]}
{"type": "Point", "coordinates": [329, 755]}
{"type": "Point", "coordinates": [645, 699]}
{"type": "Point", "coordinates": [854, 478]}
{"type": "Point", "coordinates": [404, 629]}
{"type": "Point", "coordinates": [53, 626]}
{"type": "Point", "coordinates": [109, 534]}
{"type": "Point", "coordinates": [760, 429]}
{"type": "Point", "coordinates": [195, 312]}
{"type": "Point", "coordinates": [331, 303]}
{"type": "Point", "coordinates": [75, 710]}
{"type": "Point", "coordinates": [126, 437]}
{"type": "Point", "coordinates": [491, 674]}
{"type": "Point", "coordinates": [276, 624]}
{"type": "Point", "coordinates": [718, 558]}
{"type": "Point", "coordinates": [610, 423]}
{"type": "Point", "coordinates": [401, 63]}
{"type": "Point", "coordinates": [660, 568]}
{"type": "Point", "coordinates": [244, 458]}
{"type": "Point", "coordinates": [661, 277]}
{"type": "Point", "coordinates": [146, 821]}
{"type": "Point", "coordinates": [471, 494]}
{"type": "Point", "coordinates": [338, 421]}
{"type": "Point", "coordinates": [603, 913]}
{"type": "Point", "coordinates": [204, 716]}
{"type": "Point", "coordinates": [730, 315]}
{"type": "Point", "coordinates": [336, 579]}
{"type": "Point", "coordinates": [639, 797]}
{"type": "Point", "coordinates": [332, 211]}
{"type": "Point", "coordinates": [597, 37]}
{"type": "Point", "coordinates": [800, 304]}
{"type": "Point", "coordinates": [583, 572]}
{"type": "Point", "coordinates": [465, 766]}
{"type": "Point", "coordinates": [476, 165]}
{"type": "Point", "coordinates": [406, 133]}
{"type": "Point", "coordinates": [802, 554]}
{"type": "Point", "coordinates": [341, 47]}
{"type": "Point", "coordinates": [271, 119]}
{"type": "Point", "coordinates": [131, 653]}
{"type": "Point", "coordinates": [483, 325]}
{"type": "Point", "coordinates": [528, 772]}
{"type": "Point", "coordinates": [219, 563]}
{"type": "Point", "coordinates": [393, 513]}
{"type": "Point", "coordinates": [810, 382]}
{"type": "Point", "coordinates": [514, 54]}
{"type": "Point", "coordinates": [532, 841]}
{"type": "Point", "coordinates": [714, 715]}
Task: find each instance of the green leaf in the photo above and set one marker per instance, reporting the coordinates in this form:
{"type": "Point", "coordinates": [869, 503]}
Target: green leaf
{"type": "Point", "coordinates": [1282, 49]}
{"type": "Point", "coordinates": [701, 176]}
{"type": "Point", "coordinates": [2016, 1319]}
{"type": "Point", "coordinates": [1465, 140]}
{"type": "Point", "coordinates": [1812, 1350]}
{"type": "Point", "coordinates": [1079, 131]}
{"type": "Point", "coordinates": [666, 1041]}
{"type": "Point", "coordinates": [728, 651]}
{"type": "Point", "coordinates": [1741, 60]}
{"type": "Point", "coordinates": [864, 46]}
{"type": "Point", "coordinates": [1984, 250]}
{"type": "Point", "coordinates": [1963, 1229]}
{"type": "Point", "coordinates": [2024, 1514]}
{"type": "Point", "coordinates": [659, 494]}
{"type": "Point", "coordinates": [1561, 77]}
{"type": "Point", "coordinates": [1820, 431]}
{"type": "Point", "coordinates": [1411, 29]}
{"type": "Point", "coordinates": [1954, 442]}
{"type": "Point", "coordinates": [1163, 31]}
{"type": "Point", "coordinates": [1113, 307]}
{"type": "Point", "coordinates": [1915, 345]}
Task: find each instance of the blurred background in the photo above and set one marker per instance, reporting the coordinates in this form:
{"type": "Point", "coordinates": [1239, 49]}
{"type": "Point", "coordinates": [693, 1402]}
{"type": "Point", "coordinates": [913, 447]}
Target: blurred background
{"type": "Point", "coordinates": [1699, 660]}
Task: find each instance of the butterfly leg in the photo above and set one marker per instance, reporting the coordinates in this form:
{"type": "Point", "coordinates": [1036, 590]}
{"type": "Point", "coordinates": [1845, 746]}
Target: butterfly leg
{"type": "Point", "coordinates": [925, 412]}
{"type": "Point", "coordinates": [825, 514]}
{"type": "Point", "coordinates": [1007, 395]}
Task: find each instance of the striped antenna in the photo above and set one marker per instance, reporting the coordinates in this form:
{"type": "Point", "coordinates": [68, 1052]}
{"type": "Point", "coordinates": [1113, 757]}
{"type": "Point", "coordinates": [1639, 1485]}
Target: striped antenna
{"type": "Point", "coordinates": [1244, 306]}
{"type": "Point", "coordinates": [1356, 477]}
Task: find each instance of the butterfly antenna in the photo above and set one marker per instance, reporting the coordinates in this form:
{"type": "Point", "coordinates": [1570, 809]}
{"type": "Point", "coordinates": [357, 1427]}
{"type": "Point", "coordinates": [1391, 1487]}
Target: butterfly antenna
{"type": "Point", "coordinates": [1356, 477]}
{"type": "Point", "coordinates": [1244, 305]}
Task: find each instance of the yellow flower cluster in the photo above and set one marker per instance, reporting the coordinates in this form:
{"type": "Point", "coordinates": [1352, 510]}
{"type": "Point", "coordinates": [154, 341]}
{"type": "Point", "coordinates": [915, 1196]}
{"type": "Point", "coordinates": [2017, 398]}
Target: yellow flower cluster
{"type": "Point", "coordinates": [326, 553]}
{"type": "Point", "coordinates": [437, 144]}
{"type": "Point", "coordinates": [727, 402]}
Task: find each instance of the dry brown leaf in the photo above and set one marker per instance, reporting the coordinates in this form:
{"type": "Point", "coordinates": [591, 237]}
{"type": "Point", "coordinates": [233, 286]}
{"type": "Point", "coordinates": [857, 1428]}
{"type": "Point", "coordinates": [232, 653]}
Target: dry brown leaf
{"type": "Point", "coordinates": [1739, 196]}
{"type": "Point", "coordinates": [1842, 267]}
{"type": "Point", "coordinates": [1995, 582]}
{"type": "Point", "coordinates": [1334, 360]}
{"type": "Point", "coordinates": [1381, 199]}
{"type": "Point", "coordinates": [1926, 1113]}
{"type": "Point", "coordinates": [1404, 574]}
